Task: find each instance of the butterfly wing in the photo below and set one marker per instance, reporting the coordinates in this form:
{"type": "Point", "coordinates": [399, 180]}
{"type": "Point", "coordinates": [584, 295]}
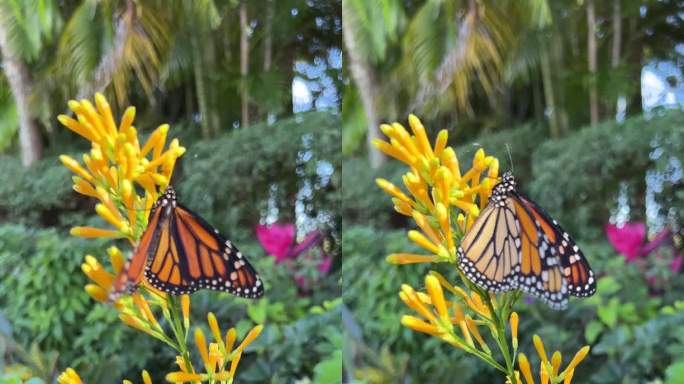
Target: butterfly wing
{"type": "Point", "coordinates": [205, 260]}
{"type": "Point", "coordinates": [167, 263]}
{"type": "Point", "coordinates": [576, 271]}
{"type": "Point", "coordinates": [488, 253]}
{"type": "Point", "coordinates": [539, 271]}
{"type": "Point", "coordinates": [128, 278]}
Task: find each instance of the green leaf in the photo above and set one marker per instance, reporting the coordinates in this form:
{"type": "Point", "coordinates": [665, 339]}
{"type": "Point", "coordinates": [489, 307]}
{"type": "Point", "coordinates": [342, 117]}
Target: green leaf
{"type": "Point", "coordinates": [609, 313]}
{"type": "Point", "coordinates": [674, 373]}
{"type": "Point", "coordinates": [592, 331]}
{"type": "Point", "coordinates": [329, 371]}
{"type": "Point", "coordinates": [257, 311]}
{"type": "Point", "coordinates": [607, 285]}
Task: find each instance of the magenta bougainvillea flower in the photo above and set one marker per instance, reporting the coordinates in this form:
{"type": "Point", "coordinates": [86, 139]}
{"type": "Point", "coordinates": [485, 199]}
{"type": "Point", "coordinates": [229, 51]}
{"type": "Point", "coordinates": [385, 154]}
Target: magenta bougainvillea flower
{"type": "Point", "coordinates": [627, 239]}
{"type": "Point", "coordinates": [279, 240]}
{"type": "Point", "coordinates": [276, 239]}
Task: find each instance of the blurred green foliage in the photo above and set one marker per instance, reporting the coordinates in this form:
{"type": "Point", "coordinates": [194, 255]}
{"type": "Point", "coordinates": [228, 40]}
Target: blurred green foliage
{"type": "Point", "coordinates": [42, 296]}
{"type": "Point", "coordinates": [264, 170]}
{"type": "Point", "coordinates": [583, 180]}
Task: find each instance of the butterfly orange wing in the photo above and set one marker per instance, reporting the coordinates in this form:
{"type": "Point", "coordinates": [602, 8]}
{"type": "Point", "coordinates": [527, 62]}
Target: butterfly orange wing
{"type": "Point", "coordinates": [129, 277]}
{"type": "Point", "coordinates": [202, 258]}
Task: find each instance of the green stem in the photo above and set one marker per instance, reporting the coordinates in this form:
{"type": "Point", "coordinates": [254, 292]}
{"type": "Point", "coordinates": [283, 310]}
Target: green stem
{"type": "Point", "coordinates": [177, 327]}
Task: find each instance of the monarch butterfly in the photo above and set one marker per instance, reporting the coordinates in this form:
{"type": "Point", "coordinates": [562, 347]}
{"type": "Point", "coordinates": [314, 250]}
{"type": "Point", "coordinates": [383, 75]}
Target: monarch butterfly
{"type": "Point", "coordinates": [514, 244]}
{"type": "Point", "coordinates": [181, 253]}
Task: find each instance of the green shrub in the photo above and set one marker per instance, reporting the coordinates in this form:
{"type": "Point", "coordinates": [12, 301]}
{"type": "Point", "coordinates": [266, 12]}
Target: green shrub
{"type": "Point", "coordinates": [42, 296]}
{"type": "Point", "coordinates": [35, 195]}
{"type": "Point", "coordinates": [371, 291]}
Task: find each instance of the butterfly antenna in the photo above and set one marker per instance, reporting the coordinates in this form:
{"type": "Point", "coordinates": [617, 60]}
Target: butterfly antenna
{"type": "Point", "coordinates": [510, 158]}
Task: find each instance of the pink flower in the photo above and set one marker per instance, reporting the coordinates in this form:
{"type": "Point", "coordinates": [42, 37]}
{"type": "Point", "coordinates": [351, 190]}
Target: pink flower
{"type": "Point", "coordinates": [325, 265]}
{"type": "Point", "coordinates": [309, 241]}
{"type": "Point", "coordinates": [661, 239]}
{"type": "Point", "coordinates": [276, 239]}
{"type": "Point", "coordinates": [627, 239]}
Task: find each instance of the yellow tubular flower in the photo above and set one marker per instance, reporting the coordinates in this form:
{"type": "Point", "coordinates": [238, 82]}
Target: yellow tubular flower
{"type": "Point", "coordinates": [476, 333]}
{"type": "Point", "coordinates": [392, 190]}
{"type": "Point", "coordinates": [83, 187]}
{"type": "Point", "coordinates": [421, 136]}
{"type": "Point", "coordinates": [233, 367]}
{"type": "Point", "coordinates": [568, 376]}
{"type": "Point", "coordinates": [216, 331]}
{"type": "Point", "coordinates": [436, 295]}
{"type": "Point", "coordinates": [253, 334]}
{"type": "Point", "coordinates": [185, 309]}
{"type": "Point", "coordinates": [579, 356]}
{"type": "Point", "coordinates": [543, 374]}
{"type": "Point", "coordinates": [421, 240]}
{"type": "Point", "coordinates": [441, 142]}
{"type": "Point", "coordinates": [423, 223]}
{"type": "Point", "coordinates": [412, 300]}
{"type": "Point", "coordinates": [419, 325]}
{"type": "Point", "coordinates": [409, 258]}
{"type": "Point", "coordinates": [555, 362]}
{"type": "Point", "coordinates": [183, 377]}
{"type": "Point", "coordinates": [539, 346]}
{"type": "Point", "coordinates": [97, 293]}
{"type": "Point", "coordinates": [93, 269]}
{"type": "Point", "coordinates": [201, 343]}
{"type": "Point", "coordinates": [214, 356]}
{"type": "Point", "coordinates": [135, 322]}
{"type": "Point", "coordinates": [231, 335]}
{"type": "Point", "coordinates": [514, 329]}
{"type": "Point", "coordinates": [69, 376]}
{"type": "Point", "coordinates": [146, 377]}
{"type": "Point", "coordinates": [524, 366]}
{"type": "Point", "coordinates": [144, 308]}
{"type": "Point", "coordinates": [76, 168]}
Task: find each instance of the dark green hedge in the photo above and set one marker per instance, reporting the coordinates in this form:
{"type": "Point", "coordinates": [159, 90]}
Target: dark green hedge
{"type": "Point", "coordinates": [231, 180]}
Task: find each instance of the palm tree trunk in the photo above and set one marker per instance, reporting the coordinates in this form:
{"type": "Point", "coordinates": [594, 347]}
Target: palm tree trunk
{"type": "Point", "coordinates": [201, 88]}
{"type": "Point", "coordinates": [20, 83]}
{"type": "Point", "coordinates": [244, 63]}
{"type": "Point", "coordinates": [210, 61]}
{"type": "Point", "coordinates": [268, 39]}
{"type": "Point", "coordinates": [593, 65]}
{"type": "Point", "coordinates": [615, 54]}
{"type": "Point", "coordinates": [363, 76]}
{"type": "Point", "coordinates": [549, 97]}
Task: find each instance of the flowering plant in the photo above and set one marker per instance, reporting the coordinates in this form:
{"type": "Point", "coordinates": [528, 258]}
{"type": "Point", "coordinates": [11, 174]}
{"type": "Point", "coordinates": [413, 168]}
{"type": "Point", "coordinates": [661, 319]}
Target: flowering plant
{"type": "Point", "coordinates": [279, 241]}
{"type": "Point", "coordinates": [444, 202]}
{"type": "Point", "coordinates": [657, 259]}
{"type": "Point", "coordinates": [115, 171]}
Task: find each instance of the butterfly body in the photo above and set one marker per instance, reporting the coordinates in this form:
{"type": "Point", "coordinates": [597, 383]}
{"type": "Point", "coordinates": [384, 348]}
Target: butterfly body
{"type": "Point", "coordinates": [180, 253]}
{"type": "Point", "coordinates": [514, 244]}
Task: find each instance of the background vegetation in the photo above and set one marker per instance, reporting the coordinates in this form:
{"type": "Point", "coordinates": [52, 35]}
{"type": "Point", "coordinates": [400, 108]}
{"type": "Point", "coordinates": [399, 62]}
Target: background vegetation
{"type": "Point", "coordinates": [222, 74]}
{"type": "Point", "coordinates": [566, 90]}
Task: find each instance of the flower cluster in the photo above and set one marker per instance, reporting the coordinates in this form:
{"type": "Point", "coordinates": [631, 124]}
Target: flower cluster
{"type": "Point", "coordinates": [116, 164]}
{"type": "Point", "coordinates": [115, 169]}
{"type": "Point", "coordinates": [437, 188]}
{"type": "Point", "coordinates": [549, 370]}
{"type": "Point", "coordinates": [444, 202]}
